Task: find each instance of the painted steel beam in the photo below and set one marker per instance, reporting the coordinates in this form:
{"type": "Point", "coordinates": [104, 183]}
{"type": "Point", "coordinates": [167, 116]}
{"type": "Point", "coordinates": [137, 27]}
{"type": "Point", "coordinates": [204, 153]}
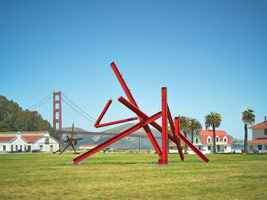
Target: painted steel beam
{"type": "Point", "coordinates": [132, 100]}
{"type": "Point", "coordinates": [142, 115]}
{"type": "Point", "coordinates": [164, 157]}
{"type": "Point", "coordinates": [118, 137]}
{"type": "Point", "coordinates": [97, 123]}
{"type": "Point", "coordinates": [188, 143]}
{"type": "Point", "coordinates": [177, 140]}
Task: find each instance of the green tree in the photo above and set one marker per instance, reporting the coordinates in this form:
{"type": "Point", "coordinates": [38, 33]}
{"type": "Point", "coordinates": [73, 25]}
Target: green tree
{"type": "Point", "coordinates": [184, 125]}
{"type": "Point", "coordinates": [194, 127]}
{"type": "Point", "coordinates": [248, 118]}
{"type": "Point", "coordinates": [4, 127]}
{"type": "Point", "coordinates": [213, 119]}
{"type": "Point", "coordinates": [14, 118]}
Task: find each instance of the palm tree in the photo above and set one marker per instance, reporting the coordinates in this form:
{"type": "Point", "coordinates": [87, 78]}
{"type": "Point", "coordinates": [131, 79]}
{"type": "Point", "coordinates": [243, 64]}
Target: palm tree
{"type": "Point", "coordinates": [248, 118]}
{"type": "Point", "coordinates": [214, 120]}
{"type": "Point", "coordinates": [194, 127]}
{"type": "Point", "coordinates": [184, 124]}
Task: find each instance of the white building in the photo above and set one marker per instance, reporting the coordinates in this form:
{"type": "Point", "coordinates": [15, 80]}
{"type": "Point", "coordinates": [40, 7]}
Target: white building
{"type": "Point", "coordinates": [204, 142]}
{"type": "Point", "coordinates": [259, 137]}
{"type": "Point", "coordinates": [27, 141]}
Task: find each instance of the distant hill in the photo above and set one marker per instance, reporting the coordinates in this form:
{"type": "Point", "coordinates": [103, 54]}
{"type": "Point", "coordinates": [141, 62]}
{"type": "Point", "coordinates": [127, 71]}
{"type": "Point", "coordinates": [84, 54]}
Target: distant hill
{"type": "Point", "coordinates": [123, 127]}
{"type": "Point", "coordinates": [75, 129]}
{"type": "Point", "coordinates": [125, 143]}
{"type": "Point", "coordinates": [132, 142]}
{"type": "Point", "coordinates": [236, 143]}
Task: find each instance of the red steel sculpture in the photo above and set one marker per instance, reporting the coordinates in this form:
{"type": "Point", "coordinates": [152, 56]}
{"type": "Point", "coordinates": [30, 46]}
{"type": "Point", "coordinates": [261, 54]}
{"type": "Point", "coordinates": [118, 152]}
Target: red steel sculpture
{"type": "Point", "coordinates": [144, 120]}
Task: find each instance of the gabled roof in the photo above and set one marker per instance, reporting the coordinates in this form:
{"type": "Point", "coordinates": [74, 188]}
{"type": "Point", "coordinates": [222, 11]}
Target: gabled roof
{"type": "Point", "coordinates": [31, 138]}
{"type": "Point", "coordinates": [6, 139]}
{"type": "Point", "coordinates": [260, 125]}
{"type": "Point", "coordinates": [257, 141]}
{"type": "Point", "coordinates": [209, 133]}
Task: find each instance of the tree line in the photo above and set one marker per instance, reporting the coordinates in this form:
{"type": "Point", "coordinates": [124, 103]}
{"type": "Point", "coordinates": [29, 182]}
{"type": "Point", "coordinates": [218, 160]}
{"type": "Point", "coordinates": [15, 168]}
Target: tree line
{"type": "Point", "coordinates": [14, 118]}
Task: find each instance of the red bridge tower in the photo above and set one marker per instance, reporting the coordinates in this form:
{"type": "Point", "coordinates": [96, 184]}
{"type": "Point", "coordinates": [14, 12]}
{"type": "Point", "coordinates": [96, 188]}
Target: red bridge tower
{"type": "Point", "coordinates": [57, 112]}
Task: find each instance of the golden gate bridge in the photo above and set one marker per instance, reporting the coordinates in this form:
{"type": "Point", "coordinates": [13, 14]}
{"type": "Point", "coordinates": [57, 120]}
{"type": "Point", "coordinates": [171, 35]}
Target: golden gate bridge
{"type": "Point", "coordinates": [60, 102]}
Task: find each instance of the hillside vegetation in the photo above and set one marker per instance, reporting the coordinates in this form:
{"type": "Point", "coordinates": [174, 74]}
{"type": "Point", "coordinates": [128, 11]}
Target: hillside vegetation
{"type": "Point", "coordinates": [14, 118]}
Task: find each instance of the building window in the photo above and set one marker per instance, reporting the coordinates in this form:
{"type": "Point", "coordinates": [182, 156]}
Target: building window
{"type": "Point", "coordinates": [16, 147]}
{"type": "Point", "coordinates": [11, 147]}
{"type": "Point", "coordinates": [196, 140]}
{"type": "Point", "coordinates": [225, 140]}
{"type": "Point", "coordinates": [225, 147]}
{"type": "Point", "coordinates": [265, 146]}
{"type": "Point", "coordinates": [4, 147]}
{"type": "Point", "coordinates": [41, 147]}
{"type": "Point", "coordinates": [46, 140]}
{"type": "Point", "coordinates": [199, 147]}
{"type": "Point", "coordinates": [250, 147]}
{"type": "Point", "coordinates": [209, 140]}
{"type": "Point", "coordinates": [217, 139]}
{"type": "Point", "coordinates": [209, 148]}
{"type": "Point", "coordinates": [265, 131]}
{"type": "Point", "coordinates": [260, 147]}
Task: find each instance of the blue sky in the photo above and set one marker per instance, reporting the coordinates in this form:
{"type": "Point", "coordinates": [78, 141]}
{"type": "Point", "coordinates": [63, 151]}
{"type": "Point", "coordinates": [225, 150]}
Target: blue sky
{"type": "Point", "coordinates": [211, 55]}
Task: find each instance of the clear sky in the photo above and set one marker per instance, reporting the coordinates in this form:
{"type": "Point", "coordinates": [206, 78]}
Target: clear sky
{"type": "Point", "coordinates": [211, 54]}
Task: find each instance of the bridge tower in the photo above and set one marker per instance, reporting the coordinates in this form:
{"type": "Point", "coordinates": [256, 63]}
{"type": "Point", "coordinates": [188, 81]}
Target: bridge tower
{"type": "Point", "coordinates": [57, 111]}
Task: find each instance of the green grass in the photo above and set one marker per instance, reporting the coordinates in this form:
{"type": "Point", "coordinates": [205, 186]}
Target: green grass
{"type": "Point", "coordinates": [127, 176]}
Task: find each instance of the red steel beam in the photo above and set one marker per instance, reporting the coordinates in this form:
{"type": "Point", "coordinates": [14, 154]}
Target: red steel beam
{"type": "Point", "coordinates": [97, 125]}
{"type": "Point", "coordinates": [118, 137]}
{"type": "Point", "coordinates": [142, 115]}
{"type": "Point", "coordinates": [103, 113]}
{"type": "Point", "coordinates": [177, 141]}
{"type": "Point", "coordinates": [164, 158]}
{"type": "Point", "coordinates": [123, 84]}
{"type": "Point", "coordinates": [116, 122]}
{"type": "Point", "coordinates": [132, 100]}
{"type": "Point", "coordinates": [188, 143]}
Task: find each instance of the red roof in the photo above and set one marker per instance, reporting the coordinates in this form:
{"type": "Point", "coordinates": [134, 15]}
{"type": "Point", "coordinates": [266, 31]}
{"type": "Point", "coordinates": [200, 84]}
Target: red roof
{"type": "Point", "coordinates": [221, 134]}
{"type": "Point", "coordinates": [260, 140]}
{"type": "Point", "coordinates": [6, 139]}
{"type": "Point", "coordinates": [260, 125]}
{"type": "Point", "coordinates": [88, 145]}
{"type": "Point", "coordinates": [31, 138]}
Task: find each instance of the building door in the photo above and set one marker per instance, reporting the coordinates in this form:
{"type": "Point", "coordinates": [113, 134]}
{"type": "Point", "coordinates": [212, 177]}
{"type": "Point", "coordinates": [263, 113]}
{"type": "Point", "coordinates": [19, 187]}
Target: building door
{"type": "Point", "coordinates": [51, 148]}
{"type": "Point", "coordinates": [29, 148]}
{"type": "Point", "coordinates": [4, 147]}
{"type": "Point", "coordinates": [11, 148]}
{"type": "Point", "coordinates": [218, 148]}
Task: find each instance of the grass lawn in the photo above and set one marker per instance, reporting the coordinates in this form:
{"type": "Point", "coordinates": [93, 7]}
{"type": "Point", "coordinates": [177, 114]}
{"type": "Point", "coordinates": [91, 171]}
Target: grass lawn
{"type": "Point", "coordinates": [127, 176]}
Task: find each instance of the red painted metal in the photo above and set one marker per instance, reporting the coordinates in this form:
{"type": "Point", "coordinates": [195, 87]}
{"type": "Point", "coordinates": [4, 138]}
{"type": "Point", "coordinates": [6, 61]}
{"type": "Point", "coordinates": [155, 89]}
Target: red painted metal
{"type": "Point", "coordinates": [118, 137]}
{"type": "Point", "coordinates": [187, 142]}
{"type": "Point", "coordinates": [144, 121]}
{"type": "Point", "coordinates": [142, 115]}
{"type": "Point", "coordinates": [97, 125]}
{"type": "Point", "coordinates": [177, 140]}
{"type": "Point", "coordinates": [132, 100]}
{"type": "Point", "coordinates": [164, 158]}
